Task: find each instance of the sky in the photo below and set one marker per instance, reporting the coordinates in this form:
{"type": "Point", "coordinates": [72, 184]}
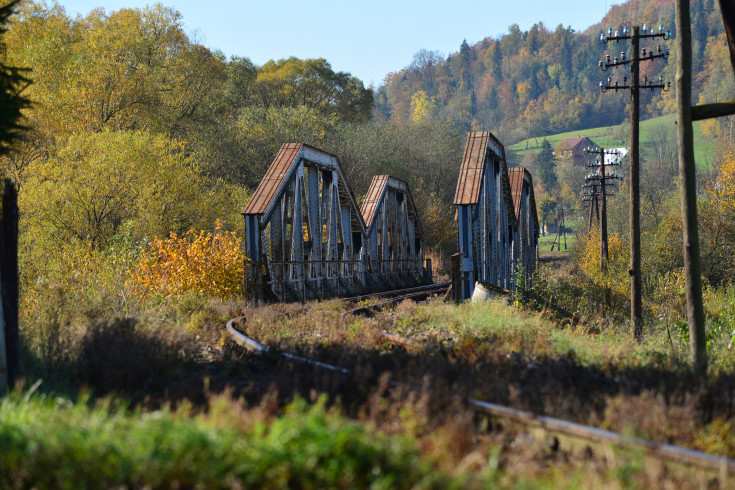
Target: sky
{"type": "Point", "coordinates": [368, 40]}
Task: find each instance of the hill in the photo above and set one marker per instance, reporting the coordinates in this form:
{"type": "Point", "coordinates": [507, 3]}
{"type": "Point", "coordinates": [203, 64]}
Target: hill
{"type": "Point", "coordinates": [654, 133]}
{"type": "Point", "coordinates": [544, 81]}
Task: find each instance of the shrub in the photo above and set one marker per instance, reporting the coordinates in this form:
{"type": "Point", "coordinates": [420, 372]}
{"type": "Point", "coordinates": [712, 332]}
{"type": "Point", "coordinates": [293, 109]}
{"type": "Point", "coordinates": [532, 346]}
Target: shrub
{"type": "Point", "coordinates": [204, 263]}
{"type": "Point", "coordinates": [615, 276]}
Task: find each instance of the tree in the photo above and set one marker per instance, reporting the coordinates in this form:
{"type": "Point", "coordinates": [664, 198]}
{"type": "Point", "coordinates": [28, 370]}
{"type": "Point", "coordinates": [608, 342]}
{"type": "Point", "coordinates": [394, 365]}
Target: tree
{"type": "Point", "coordinates": [546, 209]}
{"type": "Point", "coordinates": [424, 107]}
{"type": "Point", "coordinates": [545, 163]}
{"type": "Point", "coordinates": [99, 183]}
{"type": "Point", "coordinates": [13, 82]}
{"type": "Point", "coordinates": [294, 82]}
{"type": "Point", "coordinates": [131, 69]}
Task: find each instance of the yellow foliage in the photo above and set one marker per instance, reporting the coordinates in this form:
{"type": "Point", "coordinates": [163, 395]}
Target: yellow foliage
{"type": "Point", "coordinates": [723, 189]}
{"type": "Point", "coordinates": [615, 276]}
{"type": "Point", "coordinates": [210, 264]}
{"type": "Point", "coordinates": [669, 295]}
{"type": "Point", "coordinates": [710, 128]}
{"type": "Point", "coordinates": [424, 107]}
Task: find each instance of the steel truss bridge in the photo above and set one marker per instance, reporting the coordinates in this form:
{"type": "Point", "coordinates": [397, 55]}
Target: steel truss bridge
{"type": "Point", "coordinates": [306, 238]}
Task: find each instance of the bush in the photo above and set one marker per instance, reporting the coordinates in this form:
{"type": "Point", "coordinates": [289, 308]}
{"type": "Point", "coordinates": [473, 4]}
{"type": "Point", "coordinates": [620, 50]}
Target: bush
{"type": "Point", "coordinates": [210, 264]}
{"type": "Point", "coordinates": [615, 277]}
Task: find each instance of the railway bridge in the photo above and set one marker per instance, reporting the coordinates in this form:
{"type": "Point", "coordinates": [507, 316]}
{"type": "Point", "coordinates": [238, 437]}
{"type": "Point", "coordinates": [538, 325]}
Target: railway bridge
{"type": "Point", "coordinates": [306, 238]}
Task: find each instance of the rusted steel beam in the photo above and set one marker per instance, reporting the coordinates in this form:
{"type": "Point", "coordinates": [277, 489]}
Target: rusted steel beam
{"type": "Point", "coordinates": [394, 232]}
{"type": "Point", "coordinates": [525, 232]}
{"type": "Point", "coordinates": [596, 436]}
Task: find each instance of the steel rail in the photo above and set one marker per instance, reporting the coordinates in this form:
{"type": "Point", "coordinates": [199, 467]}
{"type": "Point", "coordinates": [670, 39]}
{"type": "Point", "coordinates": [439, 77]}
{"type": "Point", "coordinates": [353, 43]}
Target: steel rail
{"type": "Point", "coordinates": [395, 296]}
{"type": "Point", "coordinates": [243, 340]}
{"type": "Point", "coordinates": [721, 465]}
{"type": "Point", "coordinates": [397, 292]}
{"type": "Point", "coordinates": [595, 435]}
{"type": "Point", "coordinates": [362, 310]}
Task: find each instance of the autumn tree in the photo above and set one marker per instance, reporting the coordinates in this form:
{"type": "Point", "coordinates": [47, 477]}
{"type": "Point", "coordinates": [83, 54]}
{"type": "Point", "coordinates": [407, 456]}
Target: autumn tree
{"type": "Point", "coordinates": [97, 184]}
{"type": "Point", "coordinates": [424, 107]}
{"type": "Point", "coordinates": [131, 69]}
{"type": "Point", "coordinates": [13, 82]}
{"type": "Point", "coordinates": [312, 83]}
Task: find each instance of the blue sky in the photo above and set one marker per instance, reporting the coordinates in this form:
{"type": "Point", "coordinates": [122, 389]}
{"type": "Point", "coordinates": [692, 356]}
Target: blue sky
{"type": "Point", "coordinates": [367, 39]}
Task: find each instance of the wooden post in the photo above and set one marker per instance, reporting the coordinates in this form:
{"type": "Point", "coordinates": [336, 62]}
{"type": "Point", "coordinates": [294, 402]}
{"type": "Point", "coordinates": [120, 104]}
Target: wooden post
{"type": "Point", "coordinates": [3, 357]}
{"type": "Point", "coordinates": [687, 175]}
{"type": "Point", "coordinates": [636, 302]}
{"type": "Point", "coordinates": [9, 285]}
{"type": "Point", "coordinates": [456, 260]}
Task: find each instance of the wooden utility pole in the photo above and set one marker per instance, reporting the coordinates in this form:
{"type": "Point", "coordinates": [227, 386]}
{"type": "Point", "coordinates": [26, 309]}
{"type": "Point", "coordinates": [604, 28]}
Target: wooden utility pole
{"type": "Point", "coordinates": [593, 198]}
{"type": "Point", "coordinates": [8, 287]}
{"type": "Point", "coordinates": [603, 226]}
{"type": "Point", "coordinates": [636, 303]}
{"type": "Point", "coordinates": [594, 180]}
{"type": "Point", "coordinates": [687, 169]}
{"type": "Point", "coordinates": [3, 356]}
{"type": "Point", "coordinates": [687, 176]}
{"type": "Point", "coordinates": [636, 298]}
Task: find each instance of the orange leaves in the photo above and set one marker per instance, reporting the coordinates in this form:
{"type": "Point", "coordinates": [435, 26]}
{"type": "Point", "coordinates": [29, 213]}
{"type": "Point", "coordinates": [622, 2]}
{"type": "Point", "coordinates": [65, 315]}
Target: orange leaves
{"type": "Point", "coordinates": [722, 190]}
{"type": "Point", "coordinates": [210, 264]}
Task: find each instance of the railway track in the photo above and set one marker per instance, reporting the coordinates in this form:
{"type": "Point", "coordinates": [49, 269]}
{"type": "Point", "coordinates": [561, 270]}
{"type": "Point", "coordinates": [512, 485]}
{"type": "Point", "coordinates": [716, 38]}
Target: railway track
{"type": "Point", "coordinates": [558, 433]}
{"type": "Point", "coordinates": [395, 296]}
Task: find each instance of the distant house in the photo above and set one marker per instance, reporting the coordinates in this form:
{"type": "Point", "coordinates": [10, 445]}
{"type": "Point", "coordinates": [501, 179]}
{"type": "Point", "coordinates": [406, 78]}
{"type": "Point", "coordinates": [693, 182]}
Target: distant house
{"type": "Point", "coordinates": [574, 148]}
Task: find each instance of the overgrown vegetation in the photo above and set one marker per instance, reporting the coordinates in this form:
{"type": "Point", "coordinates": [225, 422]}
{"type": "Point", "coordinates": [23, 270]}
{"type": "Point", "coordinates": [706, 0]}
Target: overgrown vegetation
{"type": "Point", "coordinates": [109, 446]}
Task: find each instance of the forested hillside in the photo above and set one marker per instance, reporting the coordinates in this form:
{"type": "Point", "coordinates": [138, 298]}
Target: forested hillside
{"type": "Point", "coordinates": [544, 80]}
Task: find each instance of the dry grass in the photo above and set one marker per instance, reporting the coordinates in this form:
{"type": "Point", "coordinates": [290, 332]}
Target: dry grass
{"type": "Point", "coordinates": [488, 351]}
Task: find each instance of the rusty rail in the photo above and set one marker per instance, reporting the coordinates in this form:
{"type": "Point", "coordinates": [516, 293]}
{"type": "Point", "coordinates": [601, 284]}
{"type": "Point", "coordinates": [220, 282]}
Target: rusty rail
{"type": "Point", "coordinates": [720, 465]}
{"type": "Point", "coordinates": [395, 296]}
{"type": "Point", "coordinates": [594, 435]}
{"type": "Point", "coordinates": [397, 292]}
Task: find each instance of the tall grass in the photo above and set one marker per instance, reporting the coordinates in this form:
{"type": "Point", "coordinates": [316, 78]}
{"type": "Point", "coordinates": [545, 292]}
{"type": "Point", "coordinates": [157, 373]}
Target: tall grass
{"type": "Point", "coordinates": [53, 443]}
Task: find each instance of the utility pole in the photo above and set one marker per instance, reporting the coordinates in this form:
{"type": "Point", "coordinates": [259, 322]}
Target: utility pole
{"type": "Point", "coordinates": [636, 289]}
{"type": "Point", "coordinates": [601, 180]}
{"type": "Point", "coordinates": [687, 170]}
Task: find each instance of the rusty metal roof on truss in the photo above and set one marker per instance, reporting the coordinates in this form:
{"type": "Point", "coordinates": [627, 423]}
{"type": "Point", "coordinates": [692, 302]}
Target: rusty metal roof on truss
{"type": "Point", "coordinates": [279, 170]}
{"type": "Point", "coordinates": [375, 193]}
{"type": "Point", "coordinates": [473, 163]}
{"type": "Point", "coordinates": [517, 176]}
{"type": "Point", "coordinates": [268, 187]}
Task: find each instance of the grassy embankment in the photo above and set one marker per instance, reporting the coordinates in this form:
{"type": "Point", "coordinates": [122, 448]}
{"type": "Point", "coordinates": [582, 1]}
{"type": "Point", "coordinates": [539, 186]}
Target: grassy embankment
{"type": "Point", "coordinates": [417, 432]}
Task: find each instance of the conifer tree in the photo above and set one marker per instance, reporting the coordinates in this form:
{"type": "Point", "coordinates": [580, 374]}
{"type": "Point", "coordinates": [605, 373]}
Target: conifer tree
{"type": "Point", "coordinates": [545, 167]}
{"type": "Point", "coordinates": [12, 83]}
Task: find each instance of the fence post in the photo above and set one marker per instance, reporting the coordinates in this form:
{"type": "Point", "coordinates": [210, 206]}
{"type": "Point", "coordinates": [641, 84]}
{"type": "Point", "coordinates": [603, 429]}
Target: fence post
{"type": "Point", "coordinates": [456, 278]}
